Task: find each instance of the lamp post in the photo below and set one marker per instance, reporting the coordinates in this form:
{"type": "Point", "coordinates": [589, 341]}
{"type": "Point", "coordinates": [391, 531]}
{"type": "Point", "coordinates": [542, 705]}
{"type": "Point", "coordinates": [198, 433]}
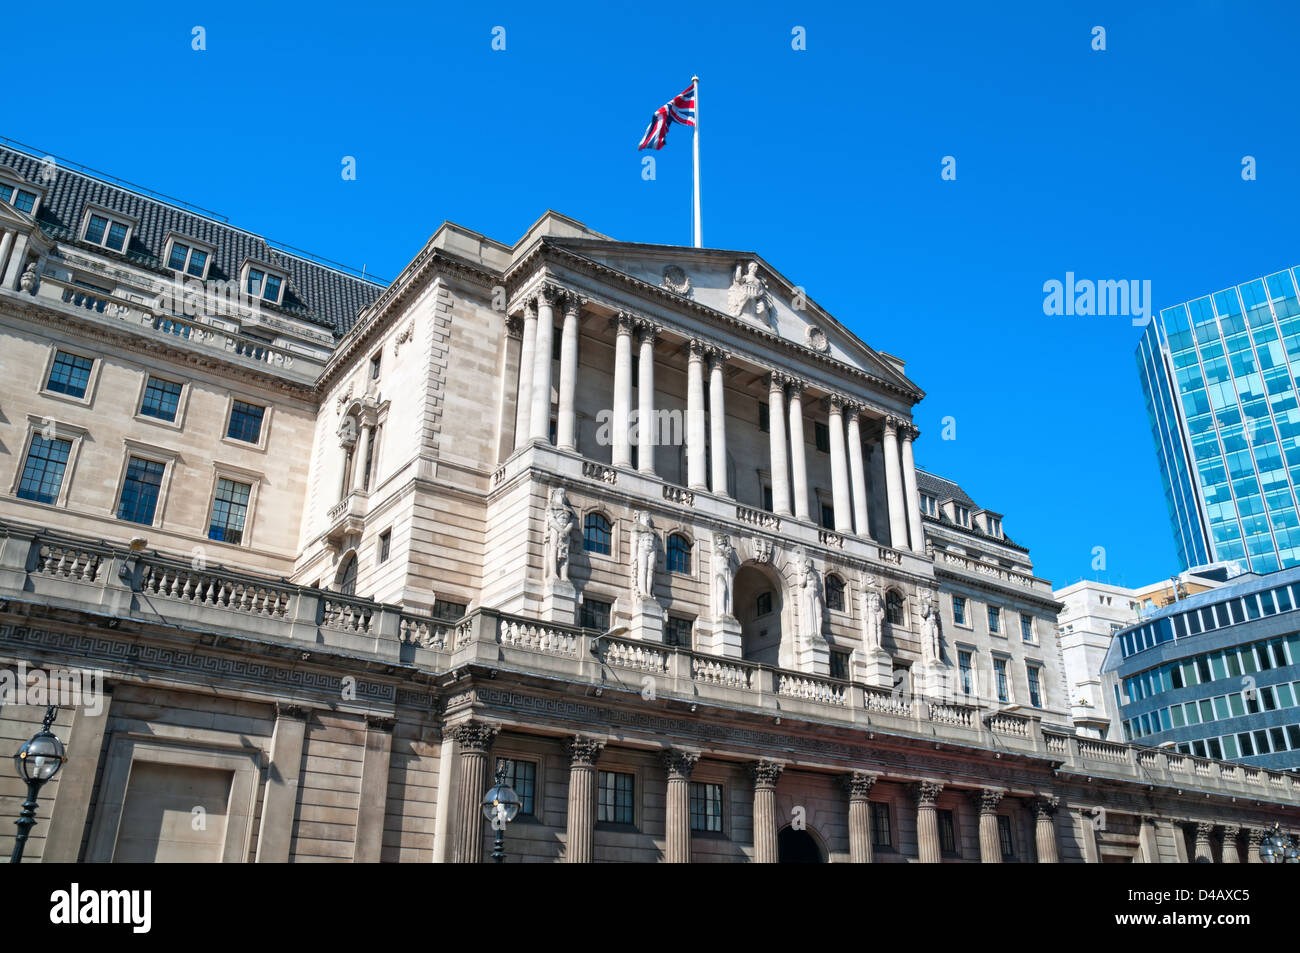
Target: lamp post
{"type": "Point", "coordinates": [38, 760]}
{"type": "Point", "coordinates": [1277, 848]}
{"type": "Point", "coordinates": [500, 805]}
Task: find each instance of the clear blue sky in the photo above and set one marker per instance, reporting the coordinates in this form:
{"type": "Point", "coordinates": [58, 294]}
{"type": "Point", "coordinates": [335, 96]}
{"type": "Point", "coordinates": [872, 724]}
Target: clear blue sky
{"type": "Point", "coordinates": [1117, 164]}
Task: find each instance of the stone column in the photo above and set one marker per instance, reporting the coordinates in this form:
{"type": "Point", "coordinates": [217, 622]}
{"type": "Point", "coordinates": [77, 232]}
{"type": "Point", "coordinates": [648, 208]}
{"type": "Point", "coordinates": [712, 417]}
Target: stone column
{"type": "Point", "coordinates": [696, 477]}
{"type": "Point", "coordinates": [718, 421]}
{"type": "Point", "coordinates": [17, 262]}
{"type": "Point", "coordinates": [677, 822]}
{"type": "Point", "coordinates": [647, 429]}
{"type": "Point", "coordinates": [859, 785]}
{"type": "Point", "coordinates": [280, 800]}
{"type": "Point", "coordinates": [765, 775]}
{"type": "Point", "coordinates": [1148, 840]}
{"type": "Point", "coordinates": [368, 842]}
{"type": "Point", "coordinates": [359, 458]}
{"type": "Point", "coordinates": [527, 351]}
{"type": "Point", "coordinates": [776, 442]}
{"type": "Point", "coordinates": [839, 467]}
{"type": "Point", "coordinates": [622, 455]}
{"type": "Point", "coordinates": [566, 427]}
{"type": "Point", "coordinates": [583, 753]}
{"type": "Point", "coordinates": [990, 843]}
{"type": "Point", "coordinates": [1045, 828]}
{"type": "Point", "coordinates": [927, 822]}
{"type": "Point", "coordinates": [858, 472]}
{"type": "Point", "coordinates": [539, 427]}
{"type": "Point", "coordinates": [798, 453]}
{"type": "Point", "coordinates": [1204, 853]}
{"type": "Point", "coordinates": [910, 433]}
{"type": "Point", "coordinates": [1230, 854]}
{"type": "Point", "coordinates": [1254, 840]}
{"type": "Point", "coordinates": [6, 243]}
{"type": "Point", "coordinates": [1088, 835]}
{"type": "Point", "coordinates": [894, 486]}
{"type": "Point", "coordinates": [473, 742]}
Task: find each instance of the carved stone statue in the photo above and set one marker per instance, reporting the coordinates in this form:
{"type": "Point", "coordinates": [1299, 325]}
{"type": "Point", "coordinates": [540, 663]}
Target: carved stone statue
{"type": "Point", "coordinates": [725, 564]}
{"type": "Point", "coordinates": [644, 550]}
{"type": "Point", "coordinates": [27, 282]}
{"type": "Point", "coordinates": [748, 297]}
{"type": "Point", "coordinates": [812, 600]}
{"type": "Point", "coordinates": [931, 646]}
{"type": "Point", "coordinates": [873, 619]}
{"type": "Point", "coordinates": [560, 523]}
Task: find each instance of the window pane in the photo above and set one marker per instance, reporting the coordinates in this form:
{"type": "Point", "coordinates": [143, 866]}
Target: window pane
{"type": "Point", "coordinates": [43, 472]}
{"type": "Point", "coordinates": [596, 534]}
{"type": "Point", "coordinates": [522, 776]}
{"type": "Point", "coordinates": [95, 229]}
{"type": "Point", "coordinates": [272, 290]}
{"type": "Point", "coordinates": [70, 374]}
{"type": "Point", "coordinates": [198, 261]}
{"type": "Point", "coordinates": [161, 398]}
{"type": "Point", "coordinates": [140, 491]}
{"type": "Point", "coordinates": [229, 510]}
{"type": "Point", "coordinates": [245, 422]}
{"type": "Point", "coordinates": [178, 255]}
{"type": "Point", "coordinates": [706, 807]}
{"type": "Point", "coordinates": [116, 236]}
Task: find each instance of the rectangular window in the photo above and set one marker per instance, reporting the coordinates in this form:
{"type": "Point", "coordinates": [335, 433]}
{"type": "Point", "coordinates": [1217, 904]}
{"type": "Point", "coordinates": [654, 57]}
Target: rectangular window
{"type": "Point", "coordinates": [947, 832]}
{"type": "Point", "coordinates": [881, 834]}
{"type": "Point", "coordinates": [767, 498]}
{"type": "Point", "coordinates": [959, 609]}
{"type": "Point", "coordinates": [1004, 837]}
{"type": "Point", "coordinates": [764, 421]}
{"type": "Point", "coordinates": [229, 510]}
{"type": "Point", "coordinates": [840, 665]}
{"type": "Point", "coordinates": [995, 618]}
{"type": "Point", "coordinates": [70, 374]}
{"type": "Point", "coordinates": [448, 611]}
{"type": "Point", "coordinates": [1000, 672]}
{"type": "Point", "coordinates": [1026, 627]}
{"type": "Point", "coordinates": [43, 472]}
{"type": "Point", "coordinates": [822, 436]}
{"type": "Point", "coordinates": [964, 666]}
{"type": "Point", "coordinates": [263, 285]}
{"type": "Point", "coordinates": [828, 516]}
{"type": "Point", "coordinates": [20, 199]}
{"type": "Point", "coordinates": [106, 232]}
{"type": "Point", "coordinates": [963, 516]}
{"type": "Point", "coordinates": [385, 544]}
{"type": "Point", "coordinates": [245, 422]}
{"type": "Point", "coordinates": [678, 632]}
{"type": "Point", "coordinates": [763, 604]}
{"type": "Point", "coordinates": [614, 798]}
{"type": "Point", "coordinates": [706, 807]}
{"type": "Point", "coordinates": [1035, 690]}
{"type": "Point", "coordinates": [595, 614]}
{"type": "Point", "coordinates": [188, 260]}
{"type": "Point", "coordinates": [140, 491]}
{"type": "Point", "coordinates": [161, 399]}
{"type": "Point", "coordinates": [522, 776]}
{"type": "Point", "coordinates": [375, 363]}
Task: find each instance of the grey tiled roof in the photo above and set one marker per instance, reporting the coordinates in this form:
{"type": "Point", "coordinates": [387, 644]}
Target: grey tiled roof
{"type": "Point", "coordinates": [317, 293]}
{"type": "Point", "coordinates": [941, 489]}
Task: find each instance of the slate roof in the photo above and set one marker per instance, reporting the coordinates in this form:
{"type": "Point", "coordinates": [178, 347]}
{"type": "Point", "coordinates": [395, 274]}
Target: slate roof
{"type": "Point", "coordinates": [941, 489]}
{"type": "Point", "coordinates": [330, 297]}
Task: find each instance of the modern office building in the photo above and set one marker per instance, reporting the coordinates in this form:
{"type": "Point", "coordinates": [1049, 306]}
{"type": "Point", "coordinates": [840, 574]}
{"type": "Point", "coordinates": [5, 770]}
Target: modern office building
{"type": "Point", "coordinates": [1215, 675]}
{"type": "Point", "coordinates": [335, 549]}
{"type": "Point", "coordinates": [1219, 374]}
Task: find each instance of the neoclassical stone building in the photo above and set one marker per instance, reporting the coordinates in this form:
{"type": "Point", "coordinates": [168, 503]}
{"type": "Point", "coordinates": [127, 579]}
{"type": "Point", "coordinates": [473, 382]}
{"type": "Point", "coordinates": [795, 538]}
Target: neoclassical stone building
{"type": "Point", "coordinates": [641, 524]}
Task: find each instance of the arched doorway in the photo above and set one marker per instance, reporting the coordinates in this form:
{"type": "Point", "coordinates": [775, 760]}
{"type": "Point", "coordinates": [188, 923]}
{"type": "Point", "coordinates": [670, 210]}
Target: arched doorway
{"type": "Point", "coordinates": [797, 847]}
{"type": "Point", "coordinates": [757, 602]}
{"type": "Point", "coordinates": [346, 580]}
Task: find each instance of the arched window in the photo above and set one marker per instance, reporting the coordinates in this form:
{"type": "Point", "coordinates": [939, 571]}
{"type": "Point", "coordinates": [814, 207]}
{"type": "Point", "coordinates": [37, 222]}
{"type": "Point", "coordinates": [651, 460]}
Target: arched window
{"type": "Point", "coordinates": [596, 533]}
{"type": "Point", "coordinates": [347, 577]}
{"type": "Point", "coordinates": [894, 607]}
{"type": "Point", "coordinates": [834, 592]}
{"type": "Point", "coordinates": [679, 554]}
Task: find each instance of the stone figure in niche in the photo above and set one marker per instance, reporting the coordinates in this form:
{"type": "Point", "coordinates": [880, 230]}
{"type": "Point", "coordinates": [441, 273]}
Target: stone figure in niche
{"type": "Point", "coordinates": [812, 599]}
{"type": "Point", "coordinates": [560, 523]}
{"type": "Point", "coordinates": [931, 645]}
{"type": "Point", "coordinates": [748, 297]}
{"type": "Point", "coordinates": [645, 545]}
{"type": "Point", "coordinates": [873, 619]}
{"type": "Point", "coordinates": [725, 564]}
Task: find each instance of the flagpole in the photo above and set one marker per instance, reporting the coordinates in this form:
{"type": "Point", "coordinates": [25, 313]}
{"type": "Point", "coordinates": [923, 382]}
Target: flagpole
{"type": "Point", "coordinates": [699, 236]}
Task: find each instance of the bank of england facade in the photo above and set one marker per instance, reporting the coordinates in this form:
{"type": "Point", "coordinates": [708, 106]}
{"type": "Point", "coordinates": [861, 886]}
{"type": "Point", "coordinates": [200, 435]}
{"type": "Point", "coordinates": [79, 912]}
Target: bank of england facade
{"type": "Point", "coordinates": [640, 524]}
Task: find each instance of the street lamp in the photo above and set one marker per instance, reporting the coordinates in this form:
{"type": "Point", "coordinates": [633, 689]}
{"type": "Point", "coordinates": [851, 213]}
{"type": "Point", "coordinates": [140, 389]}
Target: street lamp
{"type": "Point", "coordinates": [1277, 848]}
{"type": "Point", "coordinates": [38, 760]}
{"type": "Point", "coordinates": [500, 805]}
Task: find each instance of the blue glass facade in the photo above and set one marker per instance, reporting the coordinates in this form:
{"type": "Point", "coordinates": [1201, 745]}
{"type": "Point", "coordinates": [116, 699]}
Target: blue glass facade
{"type": "Point", "coordinates": [1220, 379]}
{"type": "Point", "coordinates": [1217, 675]}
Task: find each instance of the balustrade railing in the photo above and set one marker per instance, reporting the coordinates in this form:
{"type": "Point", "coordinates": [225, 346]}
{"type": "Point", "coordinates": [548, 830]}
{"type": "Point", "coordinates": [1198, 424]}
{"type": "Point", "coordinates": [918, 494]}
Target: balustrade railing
{"type": "Point", "coordinates": [70, 562]}
{"type": "Point", "coordinates": [217, 591]}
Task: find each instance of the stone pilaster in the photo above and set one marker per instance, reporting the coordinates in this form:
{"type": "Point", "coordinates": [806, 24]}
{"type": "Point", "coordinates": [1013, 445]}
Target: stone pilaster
{"type": "Point", "coordinates": [280, 801]}
{"type": "Point", "coordinates": [1044, 808]}
{"type": "Point", "coordinates": [927, 822]}
{"type": "Point", "coordinates": [677, 824]}
{"type": "Point", "coordinates": [1230, 853]}
{"type": "Point", "coordinates": [1088, 835]}
{"type": "Point", "coordinates": [583, 753]}
{"type": "Point", "coordinates": [859, 784]}
{"type": "Point", "coordinates": [988, 800]}
{"type": "Point", "coordinates": [765, 774]}
{"type": "Point", "coordinates": [473, 742]}
{"type": "Point", "coordinates": [369, 839]}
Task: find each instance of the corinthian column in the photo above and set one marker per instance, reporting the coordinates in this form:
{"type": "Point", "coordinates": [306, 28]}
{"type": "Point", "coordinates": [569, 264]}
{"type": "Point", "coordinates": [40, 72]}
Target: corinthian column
{"type": "Point", "coordinates": [583, 753]}
{"type": "Point", "coordinates": [696, 478]}
{"type": "Point", "coordinates": [1254, 839]}
{"type": "Point", "coordinates": [1230, 854]}
{"type": "Point", "coordinates": [566, 426]}
{"type": "Point", "coordinates": [798, 452]}
{"type": "Point", "coordinates": [1204, 853]}
{"type": "Point", "coordinates": [1045, 828]}
{"type": "Point", "coordinates": [990, 842]}
{"type": "Point", "coordinates": [776, 443]}
{"type": "Point", "coordinates": [539, 427]}
{"type": "Point", "coordinates": [647, 430]}
{"type": "Point", "coordinates": [677, 823]}
{"type": "Point", "coordinates": [859, 785]}
{"type": "Point", "coordinates": [894, 486]}
{"type": "Point", "coordinates": [473, 741]}
{"type": "Point", "coordinates": [718, 421]}
{"type": "Point", "coordinates": [524, 405]}
{"type": "Point", "coordinates": [858, 472]}
{"type": "Point", "coordinates": [909, 433]}
{"type": "Point", "coordinates": [839, 467]}
{"type": "Point", "coordinates": [765, 775]}
{"type": "Point", "coordinates": [927, 822]}
{"type": "Point", "coordinates": [622, 454]}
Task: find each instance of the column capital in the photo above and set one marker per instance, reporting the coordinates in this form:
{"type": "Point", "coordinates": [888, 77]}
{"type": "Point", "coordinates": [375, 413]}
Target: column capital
{"type": "Point", "coordinates": [837, 404]}
{"type": "Point", "coordinates": [988, 799]}
{"type": "Point", "coordinates": [777, 381]}
{"type": "Point", "coordinates": [698, 349]}
{"type": "Point", "coordinates": [908, 432]}
{"type": "Point", "coordinates": [766, 773]}
{"type": "Point", "coordinates": [1255, 836]}
{"type": "Point", "coordinates": [530, 307]}
{"type": "Point", "coordinates": [717, 358]}
{"type": "Point", "coordinates": [1203, 829]}
{"type": "Point", "coordinates": [474, 736]}
{"type": "Point", "coordinates": [514, 327]}
{"type": "Point", "coordinates": [927, 792]}
{"type": "Point", "coordinates": [858, 785]}
{"type": "Point", "coordinates": [573, 303]}
{"type": "Point", "coordinates": [891, 425]}
{"type": "Point", "coordinates": [647, 330]}
{"type": "Point", "coordinates": [624, 322]}
{"type": "Point", "coordinates": [550, 293]}
{"type": "Point", "coordinates": [583, 752]}
{"type": "Point", "coordinates": [1044, 805]}
{"type": "Point", "coordinates": [1230, 831]}
{"type": "Point", "coordinates": [680, 764]}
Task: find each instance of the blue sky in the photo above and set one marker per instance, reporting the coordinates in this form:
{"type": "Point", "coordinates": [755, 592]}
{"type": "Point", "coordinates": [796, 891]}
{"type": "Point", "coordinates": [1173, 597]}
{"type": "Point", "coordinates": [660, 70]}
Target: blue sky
{"type": "Point", "coordinates": [1122, 164]}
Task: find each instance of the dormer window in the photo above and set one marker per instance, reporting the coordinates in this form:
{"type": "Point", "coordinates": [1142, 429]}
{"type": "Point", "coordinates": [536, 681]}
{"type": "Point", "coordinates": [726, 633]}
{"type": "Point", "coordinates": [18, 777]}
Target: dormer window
{"type": "Point", "coordinates": [995, 527]}
{"type": "Point", "coordinates": [22, 199]}
{"type": "Point", "coordinates": [106, 231]}
{"type": "Point", "coordinates": [186, 257]}
{"type": "Point", "coordinates": [963, 515]}
{"type": "Point", "coordinates": [261, 282]}
{"type": "Point", "coordinates": [929, 505]}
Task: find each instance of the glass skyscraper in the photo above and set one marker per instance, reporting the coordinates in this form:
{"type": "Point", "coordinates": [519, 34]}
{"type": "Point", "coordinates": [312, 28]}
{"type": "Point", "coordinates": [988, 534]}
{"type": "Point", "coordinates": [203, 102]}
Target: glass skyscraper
{"type": "Point", "coordinates": [1220, 378]}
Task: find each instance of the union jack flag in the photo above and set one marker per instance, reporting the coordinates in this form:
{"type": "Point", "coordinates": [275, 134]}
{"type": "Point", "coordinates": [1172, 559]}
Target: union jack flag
{"type": "Point", "coordinates": [681, 108]}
